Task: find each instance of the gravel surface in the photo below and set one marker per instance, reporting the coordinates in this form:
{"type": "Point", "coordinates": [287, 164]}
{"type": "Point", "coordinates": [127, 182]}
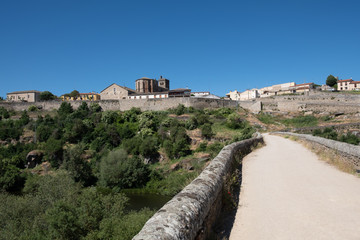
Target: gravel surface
{"type": "Point", "coordinates": [287, 193]}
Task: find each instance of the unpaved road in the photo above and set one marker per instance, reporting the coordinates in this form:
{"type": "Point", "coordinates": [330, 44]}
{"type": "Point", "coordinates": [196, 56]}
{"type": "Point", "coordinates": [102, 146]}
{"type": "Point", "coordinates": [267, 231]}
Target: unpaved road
{"type": "Point", "coordinates": [287, 193]}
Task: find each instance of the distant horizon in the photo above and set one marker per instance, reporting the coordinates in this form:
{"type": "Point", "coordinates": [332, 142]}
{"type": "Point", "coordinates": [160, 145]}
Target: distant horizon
{"type": "Point", "coordinates": [86, 45]}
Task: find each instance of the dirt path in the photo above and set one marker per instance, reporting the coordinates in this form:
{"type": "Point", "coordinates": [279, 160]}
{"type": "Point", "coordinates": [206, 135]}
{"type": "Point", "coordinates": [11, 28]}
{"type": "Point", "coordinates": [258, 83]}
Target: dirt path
{"type": "Point", "coordinates": [287, 193]}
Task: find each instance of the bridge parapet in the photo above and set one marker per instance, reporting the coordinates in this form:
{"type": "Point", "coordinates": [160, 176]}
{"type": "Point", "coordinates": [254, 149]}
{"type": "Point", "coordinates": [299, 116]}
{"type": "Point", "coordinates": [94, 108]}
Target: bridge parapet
{"type": "Point", "coordinates": [191, 213]}
{"type": "Point", "coordinates": [350, 151]}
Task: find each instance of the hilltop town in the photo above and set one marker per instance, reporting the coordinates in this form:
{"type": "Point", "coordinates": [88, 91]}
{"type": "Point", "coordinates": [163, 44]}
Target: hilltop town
{"type": "Point", "coordinates": [148, 88]}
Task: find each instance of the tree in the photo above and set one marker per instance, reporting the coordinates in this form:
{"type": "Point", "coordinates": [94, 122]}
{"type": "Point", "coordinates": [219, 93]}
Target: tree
{"type": "Point", "coordinates": [118, 170]}
{"type": "Point", "coordinates": [74, 94]}
{"type": "Point", "coordinates": [46, 96]}
{"type": "Point", "coordinates": [206, 131]}
{"type": "Point", "coordinates": [65, 108]}
{"type": "Point", "coordinates": [331, 80]}
{"type": "Point", "coordinates": [77, 166]}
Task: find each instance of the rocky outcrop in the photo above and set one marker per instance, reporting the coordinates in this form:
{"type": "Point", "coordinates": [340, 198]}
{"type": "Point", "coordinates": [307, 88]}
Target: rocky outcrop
{"type": "Point", "coordinates": [34, 158]}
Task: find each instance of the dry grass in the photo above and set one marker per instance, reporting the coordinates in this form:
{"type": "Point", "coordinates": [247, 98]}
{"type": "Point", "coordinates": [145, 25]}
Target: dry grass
{"type": "Point", "coordinates": [328, 155]}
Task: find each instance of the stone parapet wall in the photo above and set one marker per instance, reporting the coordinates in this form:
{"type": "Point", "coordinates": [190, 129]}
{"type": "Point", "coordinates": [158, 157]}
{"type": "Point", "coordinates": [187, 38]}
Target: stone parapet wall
{"type": "Point", "coordinates": [350, 150]}
{"type": "Point", "coordinates": [127, 104]}
{"type": "Point", "coordinates": [187, 215]}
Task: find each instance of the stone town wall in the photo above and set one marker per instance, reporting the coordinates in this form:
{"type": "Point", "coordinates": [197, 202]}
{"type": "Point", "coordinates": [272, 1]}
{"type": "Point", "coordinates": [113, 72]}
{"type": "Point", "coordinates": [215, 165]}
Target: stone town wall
{"type": "Point", "coordinates": [313, 101]}
{"type": "Point", "coordinates": [350, 150]}
{"type": "Point", "coordinates": [191, 213]}
{"type": "Point", "coordinates": [127, 104]}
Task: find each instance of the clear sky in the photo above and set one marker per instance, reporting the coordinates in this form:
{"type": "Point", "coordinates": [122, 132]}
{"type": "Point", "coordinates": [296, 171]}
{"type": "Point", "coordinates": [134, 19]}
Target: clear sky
{"type": "Point", "coordinates": [216, 46]}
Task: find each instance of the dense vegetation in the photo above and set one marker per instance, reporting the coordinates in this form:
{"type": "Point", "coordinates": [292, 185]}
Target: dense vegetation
{"type": "Point", "coordinates": [94, 156]}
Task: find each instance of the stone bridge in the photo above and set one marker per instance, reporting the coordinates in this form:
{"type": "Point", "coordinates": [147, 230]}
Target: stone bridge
{"type": "Point", "coordinates": [279, 208]}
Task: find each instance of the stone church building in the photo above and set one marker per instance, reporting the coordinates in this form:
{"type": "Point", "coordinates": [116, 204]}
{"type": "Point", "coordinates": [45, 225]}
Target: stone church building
{"type": "Point", "coordinates": [148, 85]}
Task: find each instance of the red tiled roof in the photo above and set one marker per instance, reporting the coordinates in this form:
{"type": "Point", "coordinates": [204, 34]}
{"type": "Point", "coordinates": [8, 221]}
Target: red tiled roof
{"type": "Point", "coordinates": [345, 80]}
{"type": "Point", "coordinates": [354, 82]}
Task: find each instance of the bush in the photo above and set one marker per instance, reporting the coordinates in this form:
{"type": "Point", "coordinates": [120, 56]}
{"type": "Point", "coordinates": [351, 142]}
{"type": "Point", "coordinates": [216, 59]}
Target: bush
{"type": "Point", "coordinates": [178, 143]}
{"type": "Point", "coordinates": [65, 109]}
{"type": "Point", "coordinates": [329, 133]}
{"type": "Point", "coordinates": [77, 166]}
{"type": "Point", "coordinates": [10, 177]}
{"type": "Point", "coordinates": [180, 109]}
{"type": "Point", "coordinates": [206, 131]}
{"type": "Point", "coordinates": [54, 152]}
{"type": "Point", "coordinates": [202, 147]}
{"type": "Point", "coordinates": [214, 148]}
{"type": "Point", "coordinates": [234, 121]}
{"type": "Point", "coordinates": [4, 113]}
{"type": "Point", "coordinates": [95, 107]}
{"type": "Point", "coordinates": [117, 170]}
{"type": "Point", "coordinates": [32, 108]}
{"type": "Point", "coordinates": [350, 138]}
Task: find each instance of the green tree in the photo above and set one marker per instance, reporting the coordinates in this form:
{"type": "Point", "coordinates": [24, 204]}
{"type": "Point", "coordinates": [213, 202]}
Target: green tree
{"type": "Point", "coordinates": [206, 131]}
{"type": "Point", "coordinates": [234, 121]}
{"type": "Point", "coordinates": [118, 170]}
{"type": "Point", "coordinates": [74, 94]}
{"type": "Point", "coordinates": [95, 107]}
{"type": "Point", "coordinates": [4, 112]}
{"type": "Point", "coordinates": [331, 80]}
{"type": "Point", "coordinates": [65, 108]}
{"type": "Point", "coordinates": [63, 221]}
{"type": "Point", "coordinates": [10, 177]}
{"type": "Point", "coordinates": [46, 96]}
{"type": "Point", "coordinates": [77, 166]}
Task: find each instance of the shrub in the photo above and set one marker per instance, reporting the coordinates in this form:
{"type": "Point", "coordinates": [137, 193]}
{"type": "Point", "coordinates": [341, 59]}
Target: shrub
{"type": "Point", "coordinates": [329, 133]}
{"type": "Point", "coordinates": [214, 148]}
{"type": "Point", "coordinates": [95, 107]}
{"type": "Point", "coordinates": [234, 121]}
{"type": "Point", "coordinates": [65, 109]}
{"type": "Point", "coordinates": [180, 109]}
{"type": "Point", "coordinates": [206, 131]}
{"type": "Point", "coordinates": [32, 108]}
{"type": "Point", "coordinates": [54, 152]}
{"type": "Point", "coordinates": [78, 167]}
{"type": "Point", "coordinates": [350, 138]}
{"type": "Point", "coordinates": [120, 171]}
{"type": "Point", "coordinates": [202, 147]}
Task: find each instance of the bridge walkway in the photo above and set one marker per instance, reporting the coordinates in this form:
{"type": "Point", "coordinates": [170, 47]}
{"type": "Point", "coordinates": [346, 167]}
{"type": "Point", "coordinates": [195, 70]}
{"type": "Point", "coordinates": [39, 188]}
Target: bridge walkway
{"type": "Point", "coordinates": [288, 193]}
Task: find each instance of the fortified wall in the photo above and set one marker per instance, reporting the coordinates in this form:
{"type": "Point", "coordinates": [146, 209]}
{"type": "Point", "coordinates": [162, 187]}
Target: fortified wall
{"type": "Point", "coordinates": [192, 213]}
{"type": "Point", "coordinates": [312, 101]}
{"type": "Point", "coordinates": [127, 104]}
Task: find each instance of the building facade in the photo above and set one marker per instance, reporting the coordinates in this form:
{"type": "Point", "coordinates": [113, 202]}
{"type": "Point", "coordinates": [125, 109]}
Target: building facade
{"type": "Point", "coordinates": [148, 85]}
{"type": "Point", "coordinates": [82, 97]}
{"type": "Point", "coordinates": [348, 85]}
{"type": "Point", "coordinates": [233, 95]}
{"type": "Point", "coordinates": [115, 92]}
{"type": "Point", "coordinates": [23, 96]}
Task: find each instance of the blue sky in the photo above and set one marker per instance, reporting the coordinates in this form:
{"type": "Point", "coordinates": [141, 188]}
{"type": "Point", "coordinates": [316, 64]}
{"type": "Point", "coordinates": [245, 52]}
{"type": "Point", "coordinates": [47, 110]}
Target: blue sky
{"type": "Point", "coordinates": [214, 46]}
